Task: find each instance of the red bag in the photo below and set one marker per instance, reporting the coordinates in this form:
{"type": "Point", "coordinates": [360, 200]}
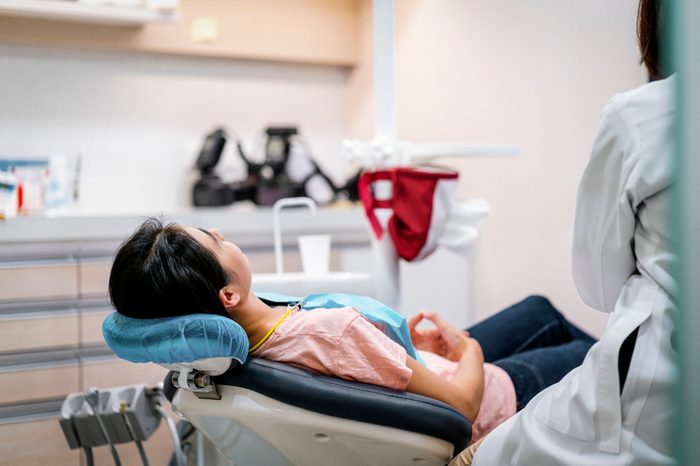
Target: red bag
{"type": "Point", "coordinates": [419, 203]}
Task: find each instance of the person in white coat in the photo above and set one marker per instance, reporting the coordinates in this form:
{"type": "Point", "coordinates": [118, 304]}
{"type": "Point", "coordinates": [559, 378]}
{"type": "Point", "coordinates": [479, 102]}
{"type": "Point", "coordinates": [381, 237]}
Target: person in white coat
{"type": "Point", "coordinates": [614, 409]}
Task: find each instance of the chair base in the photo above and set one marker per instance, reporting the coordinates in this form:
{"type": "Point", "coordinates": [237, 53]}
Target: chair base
{"type": "Point", "coordinates": [252, 429]}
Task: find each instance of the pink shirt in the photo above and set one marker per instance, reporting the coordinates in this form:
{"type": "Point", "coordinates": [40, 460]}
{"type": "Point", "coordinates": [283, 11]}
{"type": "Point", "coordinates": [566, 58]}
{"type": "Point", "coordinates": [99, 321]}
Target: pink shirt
{"type": "Point", "coordinates": [342, 343]}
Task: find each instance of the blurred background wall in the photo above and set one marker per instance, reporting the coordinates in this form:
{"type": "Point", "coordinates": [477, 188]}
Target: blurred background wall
{"type": "Point", "coordinates": [138, 120]}
{"type": "Point", "coordinates": [536, 74]}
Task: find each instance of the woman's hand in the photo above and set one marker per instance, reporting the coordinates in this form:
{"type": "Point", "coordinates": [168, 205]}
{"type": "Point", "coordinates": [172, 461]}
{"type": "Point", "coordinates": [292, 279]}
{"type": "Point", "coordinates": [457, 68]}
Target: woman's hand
{"type": "Point", "coordinates": [465, 389]}
{"type": "Point", "coordinates": [425, 339]}
{"type": "Point", "coordinates": [444, 340]}
{"type": "Point", "coordinates": [456, 341]}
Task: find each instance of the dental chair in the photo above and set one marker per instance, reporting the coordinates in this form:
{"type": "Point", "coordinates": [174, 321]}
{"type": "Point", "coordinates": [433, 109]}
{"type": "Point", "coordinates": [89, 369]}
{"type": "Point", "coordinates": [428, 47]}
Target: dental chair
{"type": "Point", "coordinates": [259, 412]}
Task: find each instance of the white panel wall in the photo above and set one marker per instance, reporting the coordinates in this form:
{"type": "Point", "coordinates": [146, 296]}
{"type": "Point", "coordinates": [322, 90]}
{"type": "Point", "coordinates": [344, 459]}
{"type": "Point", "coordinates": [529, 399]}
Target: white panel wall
{"type": "Point", "coordinates": [137, 120]}
{"type": "Point", "coordinates": [536, 73]}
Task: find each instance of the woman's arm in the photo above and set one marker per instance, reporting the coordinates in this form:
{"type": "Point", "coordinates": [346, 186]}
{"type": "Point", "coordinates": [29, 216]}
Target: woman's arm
{"type": "Point", "coordinates": [363, 353]}
{"type": "Point", "coordinates": [466, 388]}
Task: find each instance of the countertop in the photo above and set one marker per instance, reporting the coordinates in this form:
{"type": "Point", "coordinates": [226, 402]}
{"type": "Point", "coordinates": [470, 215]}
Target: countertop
{"type": "Point", "coordinates": [90, 233]}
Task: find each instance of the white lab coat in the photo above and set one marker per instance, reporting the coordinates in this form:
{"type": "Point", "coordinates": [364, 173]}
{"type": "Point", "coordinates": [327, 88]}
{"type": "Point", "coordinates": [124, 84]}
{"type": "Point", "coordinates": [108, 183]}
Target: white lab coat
{"type": "Point", "coordinates": [623, 261]}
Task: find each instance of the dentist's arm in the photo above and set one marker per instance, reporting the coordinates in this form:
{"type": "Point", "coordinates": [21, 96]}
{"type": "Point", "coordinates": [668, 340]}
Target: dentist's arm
{"type": "Point", "coordinates": [603, 247]}
{"type": "Point", "coordinates": [466, 388]}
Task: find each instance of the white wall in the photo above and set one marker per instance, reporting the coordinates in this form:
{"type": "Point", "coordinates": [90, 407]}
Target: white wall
{"type": "Point", "coordinates": [137, 120]}
{"type": "Point", "coordinates": [533, 73]}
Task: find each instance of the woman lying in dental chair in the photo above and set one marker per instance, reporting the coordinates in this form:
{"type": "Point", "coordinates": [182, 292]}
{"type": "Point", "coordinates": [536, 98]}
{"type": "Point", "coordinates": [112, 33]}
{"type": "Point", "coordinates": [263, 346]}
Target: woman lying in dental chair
{"type": "Point", "coordinates": [486, 373]}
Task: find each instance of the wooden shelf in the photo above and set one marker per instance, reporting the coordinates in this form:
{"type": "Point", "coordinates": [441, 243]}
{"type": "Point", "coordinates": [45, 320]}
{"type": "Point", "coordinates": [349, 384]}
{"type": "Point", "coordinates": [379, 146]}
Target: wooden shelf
{"type": "Point", "coordinates": [322, 32]}
{"type": "Point", "coordinates": [72, 10]}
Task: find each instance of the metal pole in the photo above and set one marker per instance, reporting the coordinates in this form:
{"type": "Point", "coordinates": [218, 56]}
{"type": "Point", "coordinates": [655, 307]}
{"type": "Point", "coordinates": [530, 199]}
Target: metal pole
{"type": "Point", "coordinates": [386, 262]}
{"type": "Point", "coordinates": [687, 220]}
{"type": "Point", "coordinates": [384, 58]}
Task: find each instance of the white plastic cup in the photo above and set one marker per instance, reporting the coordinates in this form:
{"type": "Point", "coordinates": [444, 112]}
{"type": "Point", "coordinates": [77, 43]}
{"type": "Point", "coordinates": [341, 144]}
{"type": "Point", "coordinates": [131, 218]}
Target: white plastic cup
{"type": "Point", "coordinates": [315, 253]}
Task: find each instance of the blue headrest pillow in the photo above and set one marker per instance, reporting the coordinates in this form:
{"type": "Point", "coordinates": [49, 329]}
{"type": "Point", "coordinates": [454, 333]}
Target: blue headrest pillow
{"type": "Point", "coordinates": [174, 340]}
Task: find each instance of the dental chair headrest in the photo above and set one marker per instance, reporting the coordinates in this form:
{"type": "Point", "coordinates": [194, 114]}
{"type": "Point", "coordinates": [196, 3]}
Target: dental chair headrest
{"type": "Point", "coordinates": [203, 341]}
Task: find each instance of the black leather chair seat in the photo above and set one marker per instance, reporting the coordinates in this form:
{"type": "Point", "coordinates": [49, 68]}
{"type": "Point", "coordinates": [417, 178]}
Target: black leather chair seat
{"type": "Point", "coordinates": [350, 400]}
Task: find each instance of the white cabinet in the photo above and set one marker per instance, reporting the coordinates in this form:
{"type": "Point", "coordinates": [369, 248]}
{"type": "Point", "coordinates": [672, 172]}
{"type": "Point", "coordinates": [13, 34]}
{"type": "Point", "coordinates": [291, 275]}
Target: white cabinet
{"type": "Point", "coordinates": [86, 12]}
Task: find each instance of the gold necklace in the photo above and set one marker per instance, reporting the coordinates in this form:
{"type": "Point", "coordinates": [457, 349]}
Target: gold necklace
{"type": "Point", "coordinates": [269, 332]}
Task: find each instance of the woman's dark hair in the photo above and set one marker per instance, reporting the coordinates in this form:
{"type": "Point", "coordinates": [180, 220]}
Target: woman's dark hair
{"type": "Point", "coordinates": [651, 32]}
{"type": "Point", "coordinates": [161, 271]}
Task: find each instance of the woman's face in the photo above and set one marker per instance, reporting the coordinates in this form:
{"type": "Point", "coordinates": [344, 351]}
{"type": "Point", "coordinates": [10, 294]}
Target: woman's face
{"type": "Point", "coordinates": [230, 256]}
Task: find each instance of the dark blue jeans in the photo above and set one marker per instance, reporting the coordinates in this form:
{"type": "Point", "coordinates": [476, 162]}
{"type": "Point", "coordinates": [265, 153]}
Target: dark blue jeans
{"type": "Point", "coordinates": [533, 343]}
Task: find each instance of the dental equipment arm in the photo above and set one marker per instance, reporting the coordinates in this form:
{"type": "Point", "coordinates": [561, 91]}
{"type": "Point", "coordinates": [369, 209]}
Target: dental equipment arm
{"type": "Point", "coordinates": [92, 397]}
{"type": "Point", "coordinates": [116, 415]}
{"type": "Point", "coordinates": [89, 458]}
{"type": "Point", "coordinates": [123, 407]}
{"type": "Point", "coordinates": [177, 449]}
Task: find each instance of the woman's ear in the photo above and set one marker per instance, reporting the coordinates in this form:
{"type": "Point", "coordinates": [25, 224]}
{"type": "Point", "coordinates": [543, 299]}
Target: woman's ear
{"type": "Point", "coordinates": [229, 296]}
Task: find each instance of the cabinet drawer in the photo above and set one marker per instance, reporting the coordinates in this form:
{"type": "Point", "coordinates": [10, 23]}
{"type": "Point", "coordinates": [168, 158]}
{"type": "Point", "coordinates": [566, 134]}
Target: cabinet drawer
{"type": "Point", "coordinates": [91, 329]}
{"type": "Point", "coordinates": [32, 384]}
{"type": "Point", "coordinates": [38, 281]}
{"type": "Point", "coordinates": [36, 443]}
{"type": "Point", "coordinates": [115, 372]}
{"type": "Point", "coordinates": [37, 331]}
{"type": "Point", "coordinates": [94, 278]}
